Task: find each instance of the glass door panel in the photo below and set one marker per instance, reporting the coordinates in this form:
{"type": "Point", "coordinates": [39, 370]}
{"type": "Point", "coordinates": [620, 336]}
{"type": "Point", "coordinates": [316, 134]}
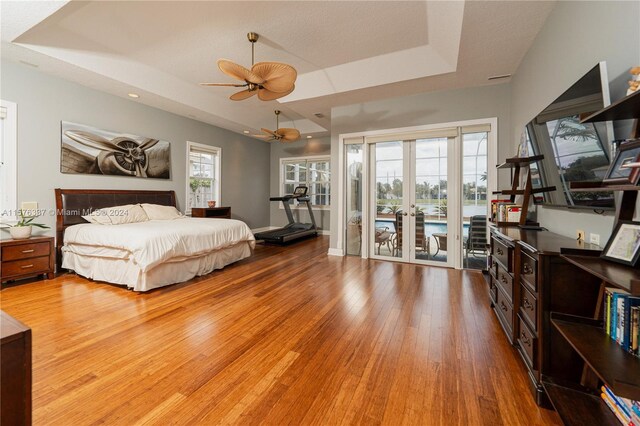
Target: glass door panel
{"type": "Point", "coordinates": [474, 200]}
{"type": "Point", "coordinates": [354, 157]}
{"type": "Point", "coordinates": [387, 171]}
{"type": "Point", "coordinates": [431, 236]}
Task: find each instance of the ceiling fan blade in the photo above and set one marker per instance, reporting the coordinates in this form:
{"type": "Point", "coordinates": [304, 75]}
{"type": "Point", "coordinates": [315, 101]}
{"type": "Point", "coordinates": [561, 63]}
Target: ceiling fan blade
{"type": "Point", "coordinates": [268, 95]}
{"type": "Point", "coordinates": [238, 72]}
{"type": "Point", "coordinates": [288, 134]}
{"type": "Point", "coordinates": [270, 132]}
{"type": "Point", "coordinates": [244, 94]}
{"type": "Point", "coordinates": [278, 77]}
{"type": "Point", "coordinates": [223, 84]}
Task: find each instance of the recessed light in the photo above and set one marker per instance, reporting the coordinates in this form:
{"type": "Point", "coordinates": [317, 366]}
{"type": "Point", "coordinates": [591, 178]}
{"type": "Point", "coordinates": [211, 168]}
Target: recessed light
{"type": "Point", "coordinates": [309, 136]}
{"type": "Point", "coordinates": [498, 77]}
{"type": "Point", "coordinates": [246, 132]}
{"type": "Point", "coordinates": [134, 95]}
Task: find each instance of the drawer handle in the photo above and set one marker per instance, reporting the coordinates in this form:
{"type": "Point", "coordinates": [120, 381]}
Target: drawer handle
{"type": "Point", "coordinates": [494, 264]}
{"type": "Point", "coordinates": [28, 251]}
{"type": "Point", "coordinates": [503, 306]}
{"type": "Point", "coordinates": [503, 279]}
{"type": "Point", "coordinates": [527, 304]}
{"type": "Point", "coordinates": [525, 339]}
{"type": "Point", "coordinates": [27, 266]}
{"type": "Point", "coordinates": [527, 269]}
{"type": "Point", "coordinates": [499, 251]}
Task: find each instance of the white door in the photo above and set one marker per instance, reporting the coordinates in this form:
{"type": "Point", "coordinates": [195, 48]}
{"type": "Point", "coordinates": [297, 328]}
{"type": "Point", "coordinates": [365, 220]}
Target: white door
{"type": "Point", "coordinates": [414, 201]}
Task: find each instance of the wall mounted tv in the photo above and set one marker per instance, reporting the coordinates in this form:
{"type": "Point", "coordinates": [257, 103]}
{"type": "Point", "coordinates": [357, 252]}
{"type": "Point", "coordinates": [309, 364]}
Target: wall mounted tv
{"type": "Point", "coordinates": [573, 152]}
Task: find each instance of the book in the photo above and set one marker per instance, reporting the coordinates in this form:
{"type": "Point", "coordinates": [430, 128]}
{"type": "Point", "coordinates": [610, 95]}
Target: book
{"type": "Point", "coordinates": [614, 408]}
{"type": "Point", "coordinates": [634, 330]}
{"type": "Point", "coordinates": [629, 302]}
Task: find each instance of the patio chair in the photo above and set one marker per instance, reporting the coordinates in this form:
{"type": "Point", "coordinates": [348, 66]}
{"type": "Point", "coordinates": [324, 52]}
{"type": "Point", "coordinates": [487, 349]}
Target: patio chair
{"type": "Point", "coordinates": [422, 241]}
{"type": "Point", "coordinates": [477, 240]}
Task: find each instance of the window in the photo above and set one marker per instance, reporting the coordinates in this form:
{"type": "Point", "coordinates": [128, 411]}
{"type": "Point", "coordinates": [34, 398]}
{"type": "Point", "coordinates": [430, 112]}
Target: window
{"type": "Point", "coordinates": [8, 158]}
{"type": "Point", "coordinates": [312, 172]}
{"type": "Point", "coordinates": [203, 175]}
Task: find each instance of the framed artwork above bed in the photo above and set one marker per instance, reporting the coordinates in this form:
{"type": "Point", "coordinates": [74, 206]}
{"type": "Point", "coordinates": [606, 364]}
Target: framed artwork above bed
{"type": "Point", "coordinates": [88, 150]}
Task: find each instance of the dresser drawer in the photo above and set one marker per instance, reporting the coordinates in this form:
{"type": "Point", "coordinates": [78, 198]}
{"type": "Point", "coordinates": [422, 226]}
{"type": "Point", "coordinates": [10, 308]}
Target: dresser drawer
{"type": "Point", "coordinates": [527, 342]}
{"type": "Point", "coordinates": [529, 271]}
{"type": "Point", "coordinates": [502, 253]}
{"type": "Point", "coordinates": [504, 280]}
{"type": "Point", "coordinates": [35, 265]}
{"type": "Point", "coordinates": [505, 311]}
{"type": "Point", "coordinates": [493, 290]}
{"type": "Point", "coordinates": [24, 251]}
{"type": "Point", "coordinates": [529, 307]}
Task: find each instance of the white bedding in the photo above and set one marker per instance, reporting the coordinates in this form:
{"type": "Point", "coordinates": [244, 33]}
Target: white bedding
{"type": "Point", "coordinates": [147, 245]}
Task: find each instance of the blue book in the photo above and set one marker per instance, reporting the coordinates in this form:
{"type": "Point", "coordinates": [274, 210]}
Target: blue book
{"type": "Point", "coordinates": [621, 405]}
{"type": "Point", "coordinates": [630, 301]}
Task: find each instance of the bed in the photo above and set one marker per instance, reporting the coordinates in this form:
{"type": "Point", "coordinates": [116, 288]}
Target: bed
{"type": "Point", "coordinates": [144, 255]}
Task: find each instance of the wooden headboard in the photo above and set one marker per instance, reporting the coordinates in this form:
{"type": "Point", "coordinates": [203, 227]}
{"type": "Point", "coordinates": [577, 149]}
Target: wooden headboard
{"type": "Point", "coordinates": [72, 204]}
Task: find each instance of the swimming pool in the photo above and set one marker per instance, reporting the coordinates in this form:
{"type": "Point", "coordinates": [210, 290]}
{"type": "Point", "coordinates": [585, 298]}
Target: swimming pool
{"type": "Point", "coordinates": [430, 228]}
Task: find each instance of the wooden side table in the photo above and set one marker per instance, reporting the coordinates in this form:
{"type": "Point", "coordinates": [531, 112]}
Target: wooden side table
{"type": "Point", "coordinates": [27, 257]}
{"type": "Point", "coordinates": [215, 212]}
{"type": "Point", "coordinates": [15, 368]}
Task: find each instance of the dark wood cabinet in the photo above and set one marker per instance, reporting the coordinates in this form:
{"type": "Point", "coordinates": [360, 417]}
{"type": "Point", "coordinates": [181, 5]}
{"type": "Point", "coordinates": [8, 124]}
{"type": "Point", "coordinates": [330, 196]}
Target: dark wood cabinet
{"type": "Point", "coordinates": [27, 257]}
{"type": "Point", "coordinates": [215, 212]}
{"type": "Point", "coordinates": [531, 280]}
{"type": "Point", "coordinates": [15, 360]}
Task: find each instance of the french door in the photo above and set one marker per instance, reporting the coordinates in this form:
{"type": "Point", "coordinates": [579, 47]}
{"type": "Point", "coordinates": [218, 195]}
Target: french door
{"type": "Point", "coordinates": [414, 200]}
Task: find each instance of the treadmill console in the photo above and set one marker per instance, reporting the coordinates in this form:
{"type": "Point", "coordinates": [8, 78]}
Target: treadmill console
{"type": "Point", "coordinates": [300, 191]}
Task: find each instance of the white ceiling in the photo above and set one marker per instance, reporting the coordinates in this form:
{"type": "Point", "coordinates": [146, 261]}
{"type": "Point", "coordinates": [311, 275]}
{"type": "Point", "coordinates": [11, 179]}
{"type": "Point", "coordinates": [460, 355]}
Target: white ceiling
{"type": "Point", "coordinates": [345, 52]}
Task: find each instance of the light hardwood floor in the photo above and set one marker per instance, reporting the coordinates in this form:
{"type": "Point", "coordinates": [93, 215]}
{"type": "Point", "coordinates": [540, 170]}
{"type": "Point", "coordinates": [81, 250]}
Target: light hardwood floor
{"type": "Point", "coordinates": [289, 336]}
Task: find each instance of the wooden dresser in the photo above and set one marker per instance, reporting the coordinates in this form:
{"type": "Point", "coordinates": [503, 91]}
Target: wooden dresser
{"type": "Point", "coordinates": [529, 279]}
{"type": "Point", "coordinates": [27, 258]}
{"type": "Point", "coordinates": [15, 360]}
{"type": "Point", "coordinates": [215, 212]}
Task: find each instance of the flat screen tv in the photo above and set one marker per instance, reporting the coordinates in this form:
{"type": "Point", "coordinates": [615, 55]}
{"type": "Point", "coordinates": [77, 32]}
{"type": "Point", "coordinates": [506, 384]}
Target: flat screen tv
{"type": "Point", "coordinates": [573, 152]}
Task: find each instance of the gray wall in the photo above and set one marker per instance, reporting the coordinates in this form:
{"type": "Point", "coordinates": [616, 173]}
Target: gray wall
{"type": "Point", "coordinates": [575, 37]}
{"type": "Point", "coordinates": [422, 109]}
{"type": "Point", "coordinates": [43, 101]}
{"type": "Point", "coordinates": [301, 148]}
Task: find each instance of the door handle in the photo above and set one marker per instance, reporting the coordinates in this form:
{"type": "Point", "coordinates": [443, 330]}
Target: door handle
{"type": "Point", "coordinates": [404, 214]}
{"type": "Point", "coordinates": [413, 214]}
{"type": "Point", "coordinates": [413, 205]}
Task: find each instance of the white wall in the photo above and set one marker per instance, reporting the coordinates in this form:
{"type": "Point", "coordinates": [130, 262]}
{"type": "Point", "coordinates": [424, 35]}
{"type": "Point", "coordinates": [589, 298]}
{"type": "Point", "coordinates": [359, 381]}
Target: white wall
{"type": "Point", "coordinates": [43, 101]}
{"type": "Point", "coordinates": [575, 37]}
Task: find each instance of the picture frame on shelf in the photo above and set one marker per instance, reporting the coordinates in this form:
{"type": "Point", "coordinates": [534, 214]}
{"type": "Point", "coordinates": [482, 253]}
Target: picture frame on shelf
{"type": "Point", "coordinates": [628, 152]}
{"type": "Point", "coordinates": [624, 244]}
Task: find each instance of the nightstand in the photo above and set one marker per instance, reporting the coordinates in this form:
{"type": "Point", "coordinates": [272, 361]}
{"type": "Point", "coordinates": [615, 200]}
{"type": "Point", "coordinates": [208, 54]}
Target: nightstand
{"type": "Point", "coordinates": [215, 212]}
{"type": "Point", "coordinates": [26, 258]}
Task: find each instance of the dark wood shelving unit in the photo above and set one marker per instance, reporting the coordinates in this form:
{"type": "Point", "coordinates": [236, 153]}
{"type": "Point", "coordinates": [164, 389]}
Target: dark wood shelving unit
{"type": "Point", "coordinates": [624, 109]}
{"type": "Point", "coordinates": [614, 274]}
{"type": "Point", "coordinates": [515, 164]}
{"type": "Point", "coordinates": [604, 360]}
{"type": "Point", "coordinates": [576, 406]}
{"type": "Point", "coordinates": [613, 365]}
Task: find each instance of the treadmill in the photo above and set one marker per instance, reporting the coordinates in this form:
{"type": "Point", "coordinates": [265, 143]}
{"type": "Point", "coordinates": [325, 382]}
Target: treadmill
{"type": "Point", "coordinates": [293, 230]}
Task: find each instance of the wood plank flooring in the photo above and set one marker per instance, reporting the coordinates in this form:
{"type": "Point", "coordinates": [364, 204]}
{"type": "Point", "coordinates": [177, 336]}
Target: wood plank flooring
{"type": "Point", "coordinates": [289, 336]}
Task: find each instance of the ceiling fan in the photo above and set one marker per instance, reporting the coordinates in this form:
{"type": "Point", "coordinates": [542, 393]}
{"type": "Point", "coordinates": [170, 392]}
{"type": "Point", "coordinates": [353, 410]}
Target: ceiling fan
{"type": "Point", "coordinates": [284, 134]}
{"type": "Point", "coordinates": [269, 80]}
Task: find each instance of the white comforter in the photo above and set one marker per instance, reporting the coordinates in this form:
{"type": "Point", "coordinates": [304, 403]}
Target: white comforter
{"type": "Point", "coordinates": [151, 243]}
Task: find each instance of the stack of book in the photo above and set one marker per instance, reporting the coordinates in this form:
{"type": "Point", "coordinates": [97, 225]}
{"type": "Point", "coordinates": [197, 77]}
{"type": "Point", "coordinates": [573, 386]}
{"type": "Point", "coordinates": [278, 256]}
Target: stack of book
{"type": "Point", "coordinates": [626, 410]}
{"type": "Point", "coordinates": [505, 211]}
{"type": "Point", "coordinates": [622, 324]}
{"type": "Point", "coordinates": [622, 319]}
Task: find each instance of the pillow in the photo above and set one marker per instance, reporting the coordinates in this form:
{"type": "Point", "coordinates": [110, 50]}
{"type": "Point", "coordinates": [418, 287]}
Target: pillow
{"type": "Point", "coordinates": [117, 215]}
{"type": "Point", "coordinates": [99, 217]}
{"type": "Point", "coordinates": [158, 212]}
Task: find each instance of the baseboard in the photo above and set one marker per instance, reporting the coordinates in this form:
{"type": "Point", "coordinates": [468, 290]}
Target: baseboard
{"type": "Point", "coordinates": [264, 228]}
{"type": "Point", "coordinates": [335, 252]}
